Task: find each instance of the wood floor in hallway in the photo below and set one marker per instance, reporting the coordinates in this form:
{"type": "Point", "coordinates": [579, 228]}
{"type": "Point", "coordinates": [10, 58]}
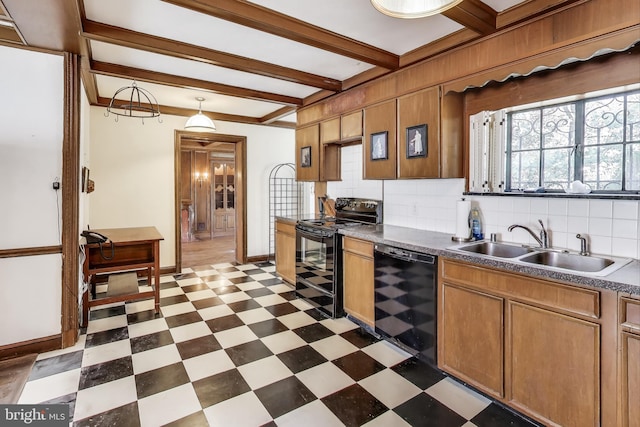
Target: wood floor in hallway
{"type": "Point", "coordinates": [211, 251]}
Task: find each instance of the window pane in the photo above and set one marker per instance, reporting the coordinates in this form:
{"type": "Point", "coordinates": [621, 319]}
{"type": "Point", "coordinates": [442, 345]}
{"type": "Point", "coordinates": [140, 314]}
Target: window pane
{"type": "Point", "coordinates": [525, 130]}
{"type": "Point", "coordinates": [558, 126]}
{"type": "Point", "coordinates": [633, 167]}
{"type": "Point", "coordinates": [603, 167]}
{"type": "Point", "coordinates": [633, 118]}
{"type": "Point", "coordinates": [525, 169]}
{"type": "Point", "coordinates": [558, 169]}
{"type": "Point", "coordinates": [603, 122]}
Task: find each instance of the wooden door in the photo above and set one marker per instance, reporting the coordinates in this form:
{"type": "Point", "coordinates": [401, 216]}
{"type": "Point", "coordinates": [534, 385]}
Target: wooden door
{"type": "Point", "coordinates": [471, 337]}
{"type": "Point", "coordinates": [359, 279]}
{"type": "Point", "coordinates": [553, 366]}
{"type": "Point", "coordinates": [223, 197]}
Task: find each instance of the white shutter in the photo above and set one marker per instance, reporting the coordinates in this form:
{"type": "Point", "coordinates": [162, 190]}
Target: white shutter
{"type": "Point", "coordinates": [497, 151]}
{"type": "Point", "coordinates": [478, 153]}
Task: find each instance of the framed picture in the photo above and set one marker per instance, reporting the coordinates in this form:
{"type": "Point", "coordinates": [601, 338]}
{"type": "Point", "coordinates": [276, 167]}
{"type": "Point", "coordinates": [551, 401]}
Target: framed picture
{"type": "Point", "coordinates": [379, 146]}
{"type": "Point", "coordinates": [305, 157]}
{"type": "Point", "coordinates": [417, 141]}
{"type": "Point", "coordinates": [85, 179]}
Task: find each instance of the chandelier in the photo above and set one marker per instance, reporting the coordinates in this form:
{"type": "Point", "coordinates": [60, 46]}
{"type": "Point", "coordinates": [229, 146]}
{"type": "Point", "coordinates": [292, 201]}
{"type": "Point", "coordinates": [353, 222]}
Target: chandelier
{"type": "Point", "coordinates": [413, 8]}
{"type": "Point", "coordinates": [137, 103]}
{"type": "Point", "coordinates": [199, 122]}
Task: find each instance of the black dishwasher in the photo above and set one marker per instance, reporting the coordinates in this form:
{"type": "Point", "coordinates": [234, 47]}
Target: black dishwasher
{"type": "Point", "coordinates": [405, 300]}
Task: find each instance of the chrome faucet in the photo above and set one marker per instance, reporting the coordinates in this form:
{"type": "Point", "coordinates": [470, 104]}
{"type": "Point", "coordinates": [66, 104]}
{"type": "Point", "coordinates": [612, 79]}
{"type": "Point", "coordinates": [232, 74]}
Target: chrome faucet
{"type": "Point", "coordinates": [583, 245]}
{"type": "Point", "coordinates": [543, 240]}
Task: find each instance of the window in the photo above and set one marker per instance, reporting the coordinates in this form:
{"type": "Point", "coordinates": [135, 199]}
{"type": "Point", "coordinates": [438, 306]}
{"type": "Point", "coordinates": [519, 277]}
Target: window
{"type": "Point", "coordinates": [594, 140]}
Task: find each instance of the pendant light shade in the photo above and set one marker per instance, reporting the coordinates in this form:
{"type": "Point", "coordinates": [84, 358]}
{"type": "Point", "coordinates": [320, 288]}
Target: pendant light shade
{"type": "Point", "coordinates": [413, 8]}
{"type": "Point", "coordinates": [200, 122]}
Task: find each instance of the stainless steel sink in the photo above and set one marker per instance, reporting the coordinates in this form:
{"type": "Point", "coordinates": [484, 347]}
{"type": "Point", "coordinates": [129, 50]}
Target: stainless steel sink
{"type": "Point", "coordinates": [587, 264]}
{"type": "Point", "coordinates": [499, 250]}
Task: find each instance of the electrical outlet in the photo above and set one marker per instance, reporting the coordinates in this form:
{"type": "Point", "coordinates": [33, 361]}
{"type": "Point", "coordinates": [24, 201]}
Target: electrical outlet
{"type": "Point", "coordinates": [56, 185]}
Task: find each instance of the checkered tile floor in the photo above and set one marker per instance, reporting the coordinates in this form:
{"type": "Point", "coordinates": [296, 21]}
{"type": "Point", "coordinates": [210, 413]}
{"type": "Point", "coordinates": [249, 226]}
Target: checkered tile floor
{"type": "Point", "coordinates": [234, 347]}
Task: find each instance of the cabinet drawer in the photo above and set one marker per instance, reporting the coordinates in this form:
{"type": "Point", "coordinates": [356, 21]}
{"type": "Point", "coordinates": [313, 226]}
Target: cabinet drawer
{"type": "Point", "coordinates": [630, 314]}
{"type": "Point", "coordinates": [584, 302]}
{"type": "Point", "coordinates": [360, 247]}
{"type": "Point", "coordinates": [286, 227]}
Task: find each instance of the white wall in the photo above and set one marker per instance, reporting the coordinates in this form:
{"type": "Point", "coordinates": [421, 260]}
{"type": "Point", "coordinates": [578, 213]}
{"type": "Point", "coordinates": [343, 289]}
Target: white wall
{"type": "Point", "coordinates": [31, 133]}
{"type": "Point", "coordinates": [430, 204]}
{"type": "Point", "coordinates": [132, 165]}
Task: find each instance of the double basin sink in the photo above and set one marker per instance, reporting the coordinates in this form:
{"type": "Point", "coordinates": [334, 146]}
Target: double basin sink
{"type": "Point", "coordinates": [550, 258]}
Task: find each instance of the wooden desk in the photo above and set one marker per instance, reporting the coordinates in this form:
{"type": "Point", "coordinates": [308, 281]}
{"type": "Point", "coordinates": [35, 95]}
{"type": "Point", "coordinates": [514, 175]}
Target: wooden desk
{"type": "Point", "coordinates": [135, 248]}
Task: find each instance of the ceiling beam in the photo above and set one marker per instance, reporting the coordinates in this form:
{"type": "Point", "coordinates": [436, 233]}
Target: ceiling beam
{"type": "Point", "coordinates": [47, 24]}
{"type": "Point", "coordinates": [263, 19]}
{"type": "Point", "coordinates": [278, 114]}
{"type": "Point", "coordinates": [129, 73]}
{"type": "Point", "coordinates": [132, 39]}
{"type": "Point", "coordinates": [188, 112]}
{"type": "Point", "coordinates": [475, 15]}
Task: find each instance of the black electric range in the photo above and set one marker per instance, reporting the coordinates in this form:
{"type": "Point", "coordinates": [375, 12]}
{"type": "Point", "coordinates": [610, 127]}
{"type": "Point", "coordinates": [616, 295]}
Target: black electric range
{"type": "Point", "coordinates": [319, 252]}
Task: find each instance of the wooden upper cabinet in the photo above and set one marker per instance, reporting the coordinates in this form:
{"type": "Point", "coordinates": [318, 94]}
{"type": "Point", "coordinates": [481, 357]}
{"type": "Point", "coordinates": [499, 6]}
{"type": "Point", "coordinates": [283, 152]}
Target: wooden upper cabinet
{"type": "Point", "coordinates": [380, 121]}
{"type": "Point", "coordinates": [330, 130]}
{"type": "Point", "coordinates": [419, 135]}
{"type": "Point", "coordinates": [351, 126]}
{"type": "Point", "coordinates": [308, 153]}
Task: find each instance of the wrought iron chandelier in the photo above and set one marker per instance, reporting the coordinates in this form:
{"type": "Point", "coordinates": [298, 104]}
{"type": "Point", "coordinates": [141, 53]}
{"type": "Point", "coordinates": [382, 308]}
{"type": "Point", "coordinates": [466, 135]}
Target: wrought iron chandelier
{"type": "Point", "coordinates": [138, 103]}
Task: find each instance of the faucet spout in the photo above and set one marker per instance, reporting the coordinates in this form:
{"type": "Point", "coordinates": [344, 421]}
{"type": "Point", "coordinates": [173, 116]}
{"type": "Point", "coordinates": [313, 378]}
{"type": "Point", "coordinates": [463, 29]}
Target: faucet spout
{"type": "Point", "coordinates": [543, 240]}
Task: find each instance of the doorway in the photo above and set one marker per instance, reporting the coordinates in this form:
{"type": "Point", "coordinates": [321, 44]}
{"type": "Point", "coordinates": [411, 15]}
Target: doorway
{"type": "Point", "coordinates": [210, 199]}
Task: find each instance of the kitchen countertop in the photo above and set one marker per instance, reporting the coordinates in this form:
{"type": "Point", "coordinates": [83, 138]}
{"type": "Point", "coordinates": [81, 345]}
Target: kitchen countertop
{"type": "Point", "coordinates": [626, 279]}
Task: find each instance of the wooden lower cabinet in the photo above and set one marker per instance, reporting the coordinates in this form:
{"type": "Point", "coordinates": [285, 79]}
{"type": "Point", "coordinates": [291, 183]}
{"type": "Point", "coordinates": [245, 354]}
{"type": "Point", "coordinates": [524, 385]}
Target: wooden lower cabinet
{"type": "Point", "coordinates": [553, 366]}
{"type": "Point", "coordinates": [472, 330]}
{"type": "Point", "coordinates": [358, 278]}
{"type": "Point", "coordinates": [286, 251]}
{"type": "Point", "coordinates": [629, 360]}
{"type": "Point", "coordinates": [544, 348]}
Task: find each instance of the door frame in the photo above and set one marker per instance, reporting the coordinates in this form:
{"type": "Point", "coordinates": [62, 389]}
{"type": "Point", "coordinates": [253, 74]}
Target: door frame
{"type": "Point", "coordinates": [205, 139]}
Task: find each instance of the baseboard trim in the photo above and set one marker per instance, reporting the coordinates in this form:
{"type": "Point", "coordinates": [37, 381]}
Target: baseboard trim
{"type": "Point", "coordinates": [39, 345]}
{"type": "Point", "coordinates": [258, 258]}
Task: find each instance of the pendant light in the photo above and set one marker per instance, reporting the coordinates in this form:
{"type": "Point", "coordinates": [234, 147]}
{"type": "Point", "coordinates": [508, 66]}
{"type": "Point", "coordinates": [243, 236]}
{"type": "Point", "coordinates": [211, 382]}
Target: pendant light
{"type": "Point", "coordinates": [138, 103]}
{"type": "Point", "coordinates": [200, 122]}
{"type": "Point", "coordinates": [413, 8]}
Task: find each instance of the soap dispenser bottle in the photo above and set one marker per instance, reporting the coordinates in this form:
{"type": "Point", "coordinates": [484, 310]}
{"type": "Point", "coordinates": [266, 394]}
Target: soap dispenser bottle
{"type": "Point", "coordinates": [476, 224]}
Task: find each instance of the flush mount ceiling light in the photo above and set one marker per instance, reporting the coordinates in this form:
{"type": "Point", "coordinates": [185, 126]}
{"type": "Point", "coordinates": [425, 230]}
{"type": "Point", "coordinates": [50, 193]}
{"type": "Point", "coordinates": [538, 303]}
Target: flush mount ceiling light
{"type": "Point", "coordinates": [139, 103]}
{"type": "Point", "coordinates": [200, 122]}
{"type": "Point", "coordinates": [413, 8]}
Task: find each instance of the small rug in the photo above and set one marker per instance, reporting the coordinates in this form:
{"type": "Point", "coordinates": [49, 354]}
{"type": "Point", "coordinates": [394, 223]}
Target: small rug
{"type": "Point", "coordinates": [13, 376]}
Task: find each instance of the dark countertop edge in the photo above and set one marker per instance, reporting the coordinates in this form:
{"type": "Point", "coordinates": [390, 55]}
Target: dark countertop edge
{"type": "Point", "coordinates": [437, 243]}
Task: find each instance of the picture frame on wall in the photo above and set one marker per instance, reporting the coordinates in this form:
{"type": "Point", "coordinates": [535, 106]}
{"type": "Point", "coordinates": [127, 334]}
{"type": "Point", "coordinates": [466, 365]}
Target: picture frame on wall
{"type": "Point", "coordinates": [379, 145]}
{"type": "Point", "coordinates": [416, 141]}
{"type": "Point", "coordinates": [305, 157]}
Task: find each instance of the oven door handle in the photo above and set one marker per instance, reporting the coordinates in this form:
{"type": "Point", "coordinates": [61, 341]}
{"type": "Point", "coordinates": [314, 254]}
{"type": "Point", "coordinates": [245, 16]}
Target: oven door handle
{"type": "Point", "coordinates": [313, 236]}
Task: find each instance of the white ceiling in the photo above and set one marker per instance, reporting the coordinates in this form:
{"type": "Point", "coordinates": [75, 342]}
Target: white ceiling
{"type": "Point", "coordinates": [357, 21]}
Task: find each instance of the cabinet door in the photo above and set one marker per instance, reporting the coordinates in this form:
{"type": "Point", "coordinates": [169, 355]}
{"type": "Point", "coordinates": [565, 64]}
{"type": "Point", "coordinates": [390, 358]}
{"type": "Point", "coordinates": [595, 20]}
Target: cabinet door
{"type": "Point", "coordinates": [630, 379]}
{"type": "Point", "coordinates": [378, 119]}
{"type": "Point", "coordinates": [553, 366]}
{"type": "Point", "coordinates": [470, 342]}
{"type": "Point", "coordinates": [419, 153]}
{"type": "Point", "coordinates": [358, 280]}
{"type": "Point", "coordinates": [286, 251]}
{"type": "Point", "coordinates": [351, 126]}
{"type": "Point", "coordinates": [308, 153]}
{"type": "Point", "coordinates": [330, 130]}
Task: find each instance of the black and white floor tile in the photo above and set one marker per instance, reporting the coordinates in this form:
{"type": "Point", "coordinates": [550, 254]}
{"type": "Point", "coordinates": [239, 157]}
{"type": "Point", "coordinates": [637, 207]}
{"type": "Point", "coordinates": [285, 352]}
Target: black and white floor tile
{"type": "Point", "coordinates": [234, 347]}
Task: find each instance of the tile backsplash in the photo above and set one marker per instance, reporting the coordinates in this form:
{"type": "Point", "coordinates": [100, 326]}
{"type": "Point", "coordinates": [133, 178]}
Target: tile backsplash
{"type": "Point", "coordinates": [430, 204]}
